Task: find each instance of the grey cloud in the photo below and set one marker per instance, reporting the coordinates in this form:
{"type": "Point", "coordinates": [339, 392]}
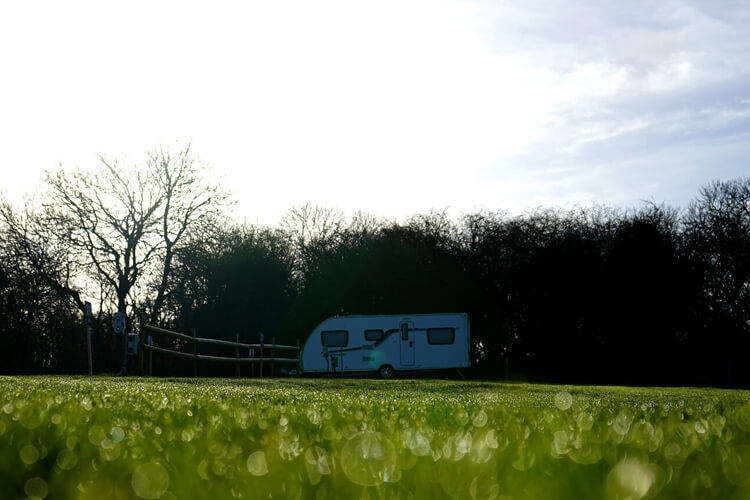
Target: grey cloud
{"type": "Point", "coordinates": [680, 118]}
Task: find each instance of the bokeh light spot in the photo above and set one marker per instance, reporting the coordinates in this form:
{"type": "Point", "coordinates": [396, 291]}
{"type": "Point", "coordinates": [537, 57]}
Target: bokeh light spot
{"type": "Point", "coordinates": [368, 458]}
{"type": "Point", "coordinates": [629, 480]}
{"type": "Point", "coordinates": [29, 454]}
{"type": "Point", "coordinates": [66, 459]}
{"type": "Point", "coordinates": [36, 487]}
{"type": "Point", "coordinates": [256, 464]}
{"type": "Point", "coordinates": [563, 400]}
{"type": "Point", "coordinates": [150, 481]}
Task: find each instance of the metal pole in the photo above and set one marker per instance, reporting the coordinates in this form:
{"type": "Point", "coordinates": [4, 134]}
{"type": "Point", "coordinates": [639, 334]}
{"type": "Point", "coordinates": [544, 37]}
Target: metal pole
{"type": "Point", "coordinates": [195, 347]}
{"type": "Point", "coordinates": [88, 345]}
{"type": "Point", "coordinates": [261, 354]}
{"type": "Point", "coordinates": [237, 355]}
{"type": "Point", "coordinates": [273, 354]}
{"type": "Point", "coordinates": [124, 332]}
{"type": "Point", "coordinates": [124, 352]}
{"type": "Point", "coordinates": [299, 360]}
{"type": "Point", "coordinates": [150, 357]}
{"type": "Point", "coordinates": [140, 349]}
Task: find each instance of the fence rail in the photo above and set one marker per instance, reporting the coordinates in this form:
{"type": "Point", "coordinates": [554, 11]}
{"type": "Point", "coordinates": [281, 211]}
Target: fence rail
{"type": "Point", "coordinates": [207, 341]}
{"type": "Point", "coordinates": [143, 347]}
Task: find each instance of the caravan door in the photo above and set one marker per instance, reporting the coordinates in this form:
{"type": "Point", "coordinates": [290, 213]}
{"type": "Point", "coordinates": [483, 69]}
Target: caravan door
{"type": "Point", "coordinates": [407, 343]}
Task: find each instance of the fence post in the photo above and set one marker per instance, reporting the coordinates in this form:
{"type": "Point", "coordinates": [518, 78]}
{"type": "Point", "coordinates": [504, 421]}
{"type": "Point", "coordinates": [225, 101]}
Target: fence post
{"type": "Point", "coordinates": [273, 355]}
{"type": "Point", "coordinates": [261, 354]}
{"type": "Point", "coordinates": [140, 350]}
{"type": "Point", "coordinates": [252, 365]}
{"type": "Point", "coordinates": [150, 357]}
{"type": "Point", "coordinates": [88, 348]}
{"type": "Point", "coordinates": [195, 351]}
{"type": "Point", "coordinates": [299, 360]}
{"type": "Point", "coordinates": [237, 355]}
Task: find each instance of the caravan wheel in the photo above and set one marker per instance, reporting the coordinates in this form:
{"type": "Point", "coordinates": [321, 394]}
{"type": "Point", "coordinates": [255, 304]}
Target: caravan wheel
{"type": "Point", "coordinates": [386, 371]}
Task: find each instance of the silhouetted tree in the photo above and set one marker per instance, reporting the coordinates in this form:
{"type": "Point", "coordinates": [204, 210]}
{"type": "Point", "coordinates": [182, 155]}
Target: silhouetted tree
{"type": "Point", "coordinates": [717, 232]}
{"type": "Point", "coordinates": [649, 292]}
{"type": "Point", "coordinates": [117, 226]}
{"type": "Point", "coordinates": [30, 240]}
{"type": "Point", "coordinates": [235, 280]}
{"type": "Point", "coordinates": [643, 296]}
{"type": "Point", "coordinates": [313, 232]}
{"type": "Point", "coordinates": [40, 328]}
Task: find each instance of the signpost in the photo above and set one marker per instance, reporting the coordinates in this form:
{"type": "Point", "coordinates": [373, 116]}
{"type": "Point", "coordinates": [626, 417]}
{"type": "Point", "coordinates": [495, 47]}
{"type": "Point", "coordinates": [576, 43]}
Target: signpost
{"type": "Point", "coordinates": [119, 324]}
{"type": "Point", "coordinates": [89, 319]}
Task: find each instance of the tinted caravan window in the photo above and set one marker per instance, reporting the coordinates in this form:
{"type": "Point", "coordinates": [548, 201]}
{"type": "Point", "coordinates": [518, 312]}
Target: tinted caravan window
{"type": "Point", "coordinates": [373, 335]}
{"type": "Point", "coordinates": [335, 338]}
{"type": "Point", "coordinates": [441, 335]}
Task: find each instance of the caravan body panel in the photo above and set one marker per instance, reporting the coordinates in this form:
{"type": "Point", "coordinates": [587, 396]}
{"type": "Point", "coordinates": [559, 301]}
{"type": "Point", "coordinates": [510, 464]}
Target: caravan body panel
{"type": "Point", "coordinates": [404, 342]}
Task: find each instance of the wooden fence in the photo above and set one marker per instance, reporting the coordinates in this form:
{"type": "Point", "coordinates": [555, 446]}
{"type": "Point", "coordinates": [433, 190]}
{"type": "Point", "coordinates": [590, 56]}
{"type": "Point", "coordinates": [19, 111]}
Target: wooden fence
{"type": "Point", "coordinates": [237, 360]}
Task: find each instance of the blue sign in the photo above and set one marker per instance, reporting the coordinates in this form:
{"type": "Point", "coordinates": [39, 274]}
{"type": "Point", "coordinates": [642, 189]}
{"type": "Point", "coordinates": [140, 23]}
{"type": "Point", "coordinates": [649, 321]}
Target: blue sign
{"type": "Point", "coordinates": [118, 322]}
{"type": "Point", "coordinates": [87, 316]}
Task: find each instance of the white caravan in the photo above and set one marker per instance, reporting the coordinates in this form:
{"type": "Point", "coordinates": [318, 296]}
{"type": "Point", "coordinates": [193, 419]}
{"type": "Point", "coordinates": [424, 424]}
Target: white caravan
{"type": "Point", "coordinates": [388, 343]}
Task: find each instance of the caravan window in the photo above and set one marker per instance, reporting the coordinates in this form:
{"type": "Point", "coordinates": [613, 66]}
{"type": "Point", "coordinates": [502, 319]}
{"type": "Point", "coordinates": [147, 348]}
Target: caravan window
{"type": "Point", "coordinates": [441, 335]}
{"type": "Point", "coordinates": [373, 335]}
{"type": "Point", "coordinates": [335, 338]}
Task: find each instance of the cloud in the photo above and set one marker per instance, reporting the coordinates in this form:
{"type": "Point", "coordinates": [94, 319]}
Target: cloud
{"type": "Point", "coordinates": [393, 107]}
{"type": "Point", "coordinates": [646, 102]}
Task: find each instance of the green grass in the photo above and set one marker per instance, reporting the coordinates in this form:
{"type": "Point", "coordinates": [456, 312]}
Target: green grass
{"type": "Point", "coordinates": [99, 438]}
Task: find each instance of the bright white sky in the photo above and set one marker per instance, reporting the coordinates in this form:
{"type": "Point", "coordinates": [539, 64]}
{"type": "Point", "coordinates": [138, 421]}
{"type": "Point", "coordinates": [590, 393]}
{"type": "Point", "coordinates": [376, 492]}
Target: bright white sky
{"type": "Point", "coordinates": [392, 107]}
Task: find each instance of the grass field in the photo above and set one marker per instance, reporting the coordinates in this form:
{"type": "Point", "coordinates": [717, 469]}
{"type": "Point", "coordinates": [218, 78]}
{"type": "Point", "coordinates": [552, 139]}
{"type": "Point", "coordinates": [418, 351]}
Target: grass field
{"type": "Point", "coordinates": [100, 438]}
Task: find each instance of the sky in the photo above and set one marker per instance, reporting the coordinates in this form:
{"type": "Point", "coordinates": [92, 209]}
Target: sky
{"type": "Point", "coordinates": [390, 107]}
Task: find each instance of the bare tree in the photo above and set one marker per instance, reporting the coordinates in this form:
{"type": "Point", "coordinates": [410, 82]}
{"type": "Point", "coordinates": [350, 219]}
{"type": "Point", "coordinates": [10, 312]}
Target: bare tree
{"type": "Point", "coordinates": [436, 227]}
{"type": "Point", "coordinates": [119, 227]}
{"type": "Point", "coordinates": [717, 227]}
{"type": "Point", "coordinates": [190, 201]}
{"type": "Point", "coordinates": [312, 231]}
{"type": "Point", "coordinates": [30, 241]}
{"type": "Point", "coordinates": [109, 218]}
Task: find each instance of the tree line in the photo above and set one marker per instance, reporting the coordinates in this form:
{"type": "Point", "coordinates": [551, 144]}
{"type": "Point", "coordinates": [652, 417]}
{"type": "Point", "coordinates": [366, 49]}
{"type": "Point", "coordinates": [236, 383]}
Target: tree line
{"type": "Point", "coordinates": [651, 295]}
